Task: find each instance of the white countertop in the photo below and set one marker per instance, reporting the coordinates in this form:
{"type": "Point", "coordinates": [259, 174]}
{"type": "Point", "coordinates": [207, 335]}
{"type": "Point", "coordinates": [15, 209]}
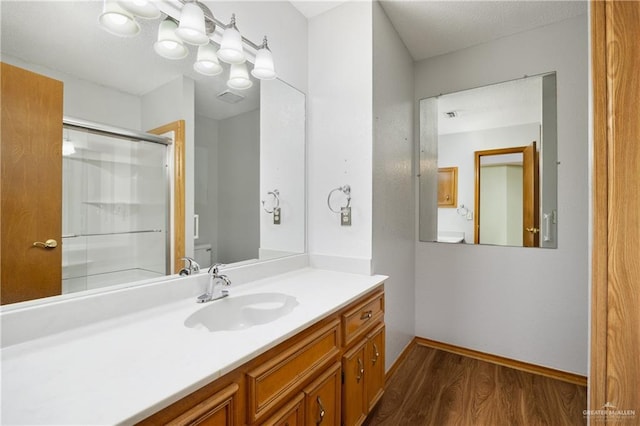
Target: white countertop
{"type": "Point", "coordinates": [124, 369]}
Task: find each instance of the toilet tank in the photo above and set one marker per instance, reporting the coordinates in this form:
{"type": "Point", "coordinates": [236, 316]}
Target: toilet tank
{"type": "Point", "coordinates": [203, 255]}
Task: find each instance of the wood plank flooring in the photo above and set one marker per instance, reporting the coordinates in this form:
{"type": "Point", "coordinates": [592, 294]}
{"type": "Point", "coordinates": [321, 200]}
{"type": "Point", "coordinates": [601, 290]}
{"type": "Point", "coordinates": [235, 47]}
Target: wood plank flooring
{"type": "Point", "coordinates": [434, 387]}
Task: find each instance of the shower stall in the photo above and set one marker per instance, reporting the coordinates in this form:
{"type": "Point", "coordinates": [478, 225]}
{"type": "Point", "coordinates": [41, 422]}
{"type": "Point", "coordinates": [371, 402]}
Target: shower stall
{"type": "Point", "coordinates": [116, 201]}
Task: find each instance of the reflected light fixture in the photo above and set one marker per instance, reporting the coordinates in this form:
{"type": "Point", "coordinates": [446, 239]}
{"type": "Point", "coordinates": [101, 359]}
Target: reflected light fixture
{"type": "Point", "coordinates": [207, 61]}
{"type": "Point", "coordinates": [231, 50]}
{"type": "Point", "coordinates": [264, 68]}
{"type": "Point", "coordinates": [169, 45]}
{"type": "Point", "coordinates": [192, 28]}
{"type": "Point", "coordinates": [142, 8]}
{"type": "Point", "coordinates": [117, 20]}
{"type": "Point", "coordinates": [239, 77]}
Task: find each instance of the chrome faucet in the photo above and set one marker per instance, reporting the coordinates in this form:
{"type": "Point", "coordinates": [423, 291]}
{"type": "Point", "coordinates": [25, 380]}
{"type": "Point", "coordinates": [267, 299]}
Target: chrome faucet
{"type": "Point", "coordinates": [191, 266]}
{"type": "Point", "coordinates": [215, 289]}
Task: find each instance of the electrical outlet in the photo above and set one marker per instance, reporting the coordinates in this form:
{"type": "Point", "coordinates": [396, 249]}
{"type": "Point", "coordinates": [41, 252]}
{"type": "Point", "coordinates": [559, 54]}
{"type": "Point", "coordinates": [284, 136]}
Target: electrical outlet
{"type": "Point", "coordinates": [276, 215]}
{"type": "Point", "coordinates": [345, 216]}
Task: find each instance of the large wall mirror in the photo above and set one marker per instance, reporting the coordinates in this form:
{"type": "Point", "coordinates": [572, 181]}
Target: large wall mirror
{"type": "Point", "coordinates": [488, 165]}
{"type": "Point", "coordinates": [242, 147]}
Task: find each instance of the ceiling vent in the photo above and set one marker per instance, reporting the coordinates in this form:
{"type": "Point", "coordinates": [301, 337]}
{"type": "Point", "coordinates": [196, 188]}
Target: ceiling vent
{"type": "Point", "coordinates": [451, 114]}
{"type": "Point", "coordinates": [230, 97]}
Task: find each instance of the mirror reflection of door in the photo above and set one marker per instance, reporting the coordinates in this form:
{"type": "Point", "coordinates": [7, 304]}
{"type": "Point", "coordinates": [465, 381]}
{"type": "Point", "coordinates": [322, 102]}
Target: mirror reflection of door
{"type": "Point", "coordinates": [506, 197]}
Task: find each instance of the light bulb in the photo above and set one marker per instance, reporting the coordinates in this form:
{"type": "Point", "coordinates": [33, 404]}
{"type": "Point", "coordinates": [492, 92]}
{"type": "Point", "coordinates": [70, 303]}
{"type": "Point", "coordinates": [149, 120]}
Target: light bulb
{"type": "Point", "coordinates": [169, 44]}
{"type": "Point", "coordinates": [117, 21]}
{"type": "Point", "coordinates": [192, 26]}
{"type": "Point", "coordinates": [231, 50]}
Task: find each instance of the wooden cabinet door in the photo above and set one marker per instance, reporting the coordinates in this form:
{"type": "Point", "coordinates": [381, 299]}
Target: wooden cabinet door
{"type": "Point", "coordinates": [374, 366]}
{"type": "Point", "coordinates": [354, 405]}
{"type": "Point", "coordinates": [322, 398]}
{"type": "Point", "coordinates": [292, 414]}
{"type": "Point", "coordinates": [217, 410]}
{"type": "Point", "coordinates": [30, 186]}
{"type": "Point", "coordinates": [448, 187]}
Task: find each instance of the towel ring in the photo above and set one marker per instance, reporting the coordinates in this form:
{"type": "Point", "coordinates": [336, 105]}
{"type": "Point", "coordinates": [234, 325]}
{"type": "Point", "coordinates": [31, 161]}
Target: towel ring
{"type": "Point", "coordinates": [276, 201]}
{"type": "Point", "coordinates": [346, 189]}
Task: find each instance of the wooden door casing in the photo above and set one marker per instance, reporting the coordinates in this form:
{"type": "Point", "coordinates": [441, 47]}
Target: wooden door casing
{"type": "Point", "coordinates": [615, 305]}
{"type": "Point", "coordinates": [31, 187]}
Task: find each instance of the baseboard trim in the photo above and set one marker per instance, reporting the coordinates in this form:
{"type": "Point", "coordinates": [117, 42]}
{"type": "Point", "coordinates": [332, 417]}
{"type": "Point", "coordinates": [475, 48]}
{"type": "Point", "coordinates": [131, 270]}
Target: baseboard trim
{"type": "Point", "coordinates": [576, 379]}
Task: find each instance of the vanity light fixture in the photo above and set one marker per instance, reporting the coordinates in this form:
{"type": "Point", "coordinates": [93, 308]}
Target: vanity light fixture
{"type": "Point", "coordinates": [231, 50]}
{"type": "Point", "coordinates": [207, 61]}
{"type": "Point", "coordinates": [169, 45]}
{"type": "Point", "coordinates": [118, 21]}
{"type": "Point", "coordinates": [142, 8]}
{"type": "Point", "coordinates": [239, 77]}
{"type": "Point", "coordinates": [264, 68]}
{"type": "Point", "coordinates": [196, 25]}
{"type": "Point", "coordinates": [192, 28]}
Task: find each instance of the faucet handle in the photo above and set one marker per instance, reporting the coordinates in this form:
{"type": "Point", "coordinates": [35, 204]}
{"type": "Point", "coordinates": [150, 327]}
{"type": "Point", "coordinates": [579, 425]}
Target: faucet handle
{"type": "Point", "coordinates": [213, 270]}
{"type": "Point", "coordinates": [191, 266]}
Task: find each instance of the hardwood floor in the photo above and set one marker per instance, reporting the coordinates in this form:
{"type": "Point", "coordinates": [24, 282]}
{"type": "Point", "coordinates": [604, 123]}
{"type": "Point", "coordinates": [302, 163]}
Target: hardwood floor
{"type": "Point", "coordinates": [434, 387]}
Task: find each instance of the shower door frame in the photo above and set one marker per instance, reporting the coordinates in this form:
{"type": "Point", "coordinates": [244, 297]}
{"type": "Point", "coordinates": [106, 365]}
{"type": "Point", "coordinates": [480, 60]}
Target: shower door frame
{"type": "Point", "coordinates": [134, 136]}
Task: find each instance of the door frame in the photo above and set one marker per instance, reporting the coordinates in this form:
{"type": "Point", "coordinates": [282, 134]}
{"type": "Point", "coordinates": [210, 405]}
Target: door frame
{"type": "Point", "coordinates": [177, 128]}
{"type": "Point", "coordinates": [476, 194]}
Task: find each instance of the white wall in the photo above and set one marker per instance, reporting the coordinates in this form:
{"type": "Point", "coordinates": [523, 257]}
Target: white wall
{"type": "Point", "coordinates": [393, 184]}
{"type": "Point", "coordinates": [340, 133]}
{"type": "Point", "coordinates": [206, 180]}
{"type": "Point", "coordinates": [524, 304]}
{"type": "Point", "coordinates": [457, 150]}
{"type": "Point", "coordinates": [282, 167]}
{"type": "Point", "coordinates": [238, 171]}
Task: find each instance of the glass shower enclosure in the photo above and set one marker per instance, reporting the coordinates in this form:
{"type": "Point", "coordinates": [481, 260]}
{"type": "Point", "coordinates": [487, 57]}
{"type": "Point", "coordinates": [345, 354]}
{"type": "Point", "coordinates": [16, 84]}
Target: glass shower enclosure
{"type": "Point", "coordinates": [115, 214]}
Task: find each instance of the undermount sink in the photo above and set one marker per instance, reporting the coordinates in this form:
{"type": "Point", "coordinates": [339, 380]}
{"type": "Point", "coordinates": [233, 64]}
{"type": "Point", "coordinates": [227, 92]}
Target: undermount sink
{"type": "Point", "coordinates": [240, 312]}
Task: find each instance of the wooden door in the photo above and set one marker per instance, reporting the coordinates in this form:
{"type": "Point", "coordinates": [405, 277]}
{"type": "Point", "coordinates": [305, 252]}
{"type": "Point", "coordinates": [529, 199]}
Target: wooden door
{"type": "Point", "coordinates": [31, 187]}
{"type": "Point", "coordinates": [354, 405]}
{"type": "Point", "coordinates": [530, 197]}
{"type": "Point", "coordinates": [615, 301]}
{"type": "Point", "coordinates": [322, 398]}
{"type": "Point", "coordinates": [374, 363]}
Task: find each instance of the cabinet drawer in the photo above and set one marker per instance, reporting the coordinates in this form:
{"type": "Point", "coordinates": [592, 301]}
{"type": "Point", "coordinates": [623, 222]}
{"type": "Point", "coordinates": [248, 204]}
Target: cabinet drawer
{"type": "Point", "coordinates": [291, 414]}
{"type": "Point", "coordinates": [358, 320]}
{"type": "Point", "coordinates": [272, 382]}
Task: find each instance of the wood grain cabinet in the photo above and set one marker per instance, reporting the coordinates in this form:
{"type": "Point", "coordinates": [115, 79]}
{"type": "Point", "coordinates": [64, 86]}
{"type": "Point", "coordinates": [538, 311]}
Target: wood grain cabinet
{"type": "Point", "coordinates": [217, 410]}
{"type": "Point", "coordinates": [363, 361]}
{"type": "Point", "coordinates": [322, 398]}
{"type": "Point", "coordinates": [330, 374]}
{"type": "Point", "coordinates": [448, 187]}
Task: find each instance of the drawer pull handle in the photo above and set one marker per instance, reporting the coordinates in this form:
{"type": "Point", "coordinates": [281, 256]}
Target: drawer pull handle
{"type": "Point", "coordinates": [360, 370]}
{"type": "Point", "coordinates": [366, 315]}
{"type": "Point", "coordinates": [376, 354]}
{"type": "Point", "coordinates": [321, 413]}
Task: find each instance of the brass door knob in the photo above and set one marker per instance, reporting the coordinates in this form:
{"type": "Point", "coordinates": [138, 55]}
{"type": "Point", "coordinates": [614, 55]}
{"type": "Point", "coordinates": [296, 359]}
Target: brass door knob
{"type": "Point", "coordinates": [50, 243]}
{"type": "Point", "coordinates": [533, 230]}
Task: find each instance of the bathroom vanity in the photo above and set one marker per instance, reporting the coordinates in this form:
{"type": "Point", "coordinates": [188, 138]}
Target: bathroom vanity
{"type": "Point", "coordinates": [302, 347]}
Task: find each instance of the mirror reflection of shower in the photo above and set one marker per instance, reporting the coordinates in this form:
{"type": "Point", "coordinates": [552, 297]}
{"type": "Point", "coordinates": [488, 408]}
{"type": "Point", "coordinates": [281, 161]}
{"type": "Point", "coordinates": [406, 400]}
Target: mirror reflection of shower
{"type": "Point", "coordinates": [115, 212]}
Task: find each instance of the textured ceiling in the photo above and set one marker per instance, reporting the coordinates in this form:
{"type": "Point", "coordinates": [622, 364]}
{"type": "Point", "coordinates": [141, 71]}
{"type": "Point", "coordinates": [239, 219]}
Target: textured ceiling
{"type": "Point", "coordinates": [430, 28]}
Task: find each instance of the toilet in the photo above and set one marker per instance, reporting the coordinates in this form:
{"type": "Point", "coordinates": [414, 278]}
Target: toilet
{"type": "Point", "coordinates": [203, 254]}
